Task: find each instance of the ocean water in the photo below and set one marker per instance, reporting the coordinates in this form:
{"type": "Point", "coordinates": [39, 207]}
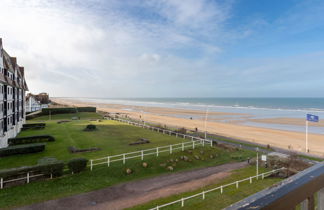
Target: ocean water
{"type": "Point", "coordinates": [256, 108]}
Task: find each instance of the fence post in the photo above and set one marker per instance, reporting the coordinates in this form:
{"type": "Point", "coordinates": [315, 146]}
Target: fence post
{"type": "Point", "coordinates": [157, 152]}
{"type": "Point", "coordinates": [211, 143]}
{"type": "Point", "coordinates": [191, 138]}
{"type": "Point", "coordinates": [170, 149]}
{"type": "Point", "coordinates": [203, 142]}
{"type": "Point", "coordinates": [263, 176]}
{"type": "Point", "coordinates": [51, 176]}
{"type": "Point", "coordinates": [176, 135]}
{"type": "Point", "coordinates": [184, 136]}
{"type": "Point", "coordinates": [182, 146]}
{"type": "Point", "coordinates": [237, 184]}
{"type": "Point", "coordinates": [1, 183]}
{"type": "Point", "coordinates": [222, 189]}
{"type": "Point", "coordinates": [203, 195]}
{"type": "Point", "coordinates": [142, 153]}
{"type": "Point", "coordinates": [108, 161]}
{"type": "Point", "coordinates": [182, 202]}
{"type": "Point", "coordinates": [250, 180]}
{"type": "Point", "coordinates": [170, 133]}
{"type": "Point", "coordinates": [91, 165]}
{"type": "Point", "coordinates": [124, 158]}
{"type": "Point", "coordinates": [28, 177]}
{"type": "Point", "coordinates": [163, 131]}
{"type": "Point", "coordinates": [193, 144]}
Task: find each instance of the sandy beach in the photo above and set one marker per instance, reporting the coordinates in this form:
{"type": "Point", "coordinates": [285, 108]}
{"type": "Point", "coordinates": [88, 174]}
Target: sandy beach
{"type": "Point", "coordinates": [167, 116]}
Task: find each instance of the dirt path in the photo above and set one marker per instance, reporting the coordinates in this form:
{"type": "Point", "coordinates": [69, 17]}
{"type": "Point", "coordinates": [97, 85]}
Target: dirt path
{"type": "Point", "coordinates": [138, 192]}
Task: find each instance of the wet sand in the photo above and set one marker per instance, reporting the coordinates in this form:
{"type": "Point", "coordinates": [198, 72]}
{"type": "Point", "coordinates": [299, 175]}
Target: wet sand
{"type": "Point", "coordinates": [279, 138]}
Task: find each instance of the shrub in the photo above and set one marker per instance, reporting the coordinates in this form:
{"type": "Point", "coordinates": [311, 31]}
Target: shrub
{"type": "Point", "coordinates": [90, 127]}
{"type": "Point", "coordinates": [66, 110]}
{"type": "Point", "coordinates": [30, 139]}
{"type": "Point", "coordinates": [22, 149]}
{"type": "Point", "coordinates": [49, 165]}
{"type": "Point", "coordinates": [33, 126]}
{"type": "Point", "coordinates": [182, 130]}
{"type": "Point", "coordinates": [45, 166]}
{"type": "Point", "coordinates": [77, 165]}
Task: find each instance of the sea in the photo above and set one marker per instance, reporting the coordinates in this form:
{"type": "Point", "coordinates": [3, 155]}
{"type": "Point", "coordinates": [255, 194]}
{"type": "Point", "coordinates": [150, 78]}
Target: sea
{"type": "Point", "coordinates": [256, 108]}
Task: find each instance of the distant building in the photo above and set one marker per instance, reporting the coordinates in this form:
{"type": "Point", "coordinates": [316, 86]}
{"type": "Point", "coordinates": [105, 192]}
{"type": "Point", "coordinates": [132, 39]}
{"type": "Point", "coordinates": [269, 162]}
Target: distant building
{"type": "Point", "coordinates": [12, 97]}
{"type": "Point", "coordinates": [36, 102]}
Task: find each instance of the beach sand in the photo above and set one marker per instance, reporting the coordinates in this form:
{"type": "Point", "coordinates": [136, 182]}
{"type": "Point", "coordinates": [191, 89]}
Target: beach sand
{"type": "Point", "coordinates": [277, 138]}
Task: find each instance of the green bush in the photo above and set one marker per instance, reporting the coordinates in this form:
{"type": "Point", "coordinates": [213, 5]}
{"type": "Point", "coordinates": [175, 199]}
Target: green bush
{"type": "Point", "coordinates": [49, 165]}
{"type": "Point", "coordinates": [77, 165]}
{"type": "Point", "coordinates": [66, 110]}
{"type": "Point", "coordinates": [90, 127]}
{"type": "Point", "coordinates": [33, 126]}
{"type": "Point", "coordinates": [22, 149]}
{"type": "Point", "coordinates": [46, 166]}
{"type": "Point", "coordinates": [30, 139]}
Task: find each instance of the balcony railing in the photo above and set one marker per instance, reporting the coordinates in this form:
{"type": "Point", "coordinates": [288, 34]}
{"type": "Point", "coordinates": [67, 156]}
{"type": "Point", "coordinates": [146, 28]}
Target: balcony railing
{"type": "Point", "coordinates": [296, 190]}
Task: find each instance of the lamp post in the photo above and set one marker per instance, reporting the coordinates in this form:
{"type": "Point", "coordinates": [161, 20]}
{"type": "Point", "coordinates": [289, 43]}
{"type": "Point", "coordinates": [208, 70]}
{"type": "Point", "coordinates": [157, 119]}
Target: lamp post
{"type": "Point", "coordinates": [257, 163]}
{"type": "Point", "coordinates": [206, 115]}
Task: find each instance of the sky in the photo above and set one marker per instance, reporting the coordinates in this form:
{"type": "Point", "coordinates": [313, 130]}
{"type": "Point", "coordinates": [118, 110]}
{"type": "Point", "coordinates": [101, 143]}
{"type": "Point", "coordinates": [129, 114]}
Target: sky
{"type": "Point", "coordinates": [167, 48]}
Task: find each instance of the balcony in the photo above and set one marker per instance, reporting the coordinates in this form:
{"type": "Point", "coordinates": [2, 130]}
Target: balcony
{"type": "Point", "coordinates": [296, 191]}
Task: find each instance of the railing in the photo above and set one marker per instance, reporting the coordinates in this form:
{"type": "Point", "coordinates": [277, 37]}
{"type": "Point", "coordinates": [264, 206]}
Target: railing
{"type": "Point", "coordinates": [141, 153]}
{"type": "Point", "coordinates": [220, 188]}
{"type": "Point", "coordinates": [299, 189]}
{"type": "Point", "coordinates": [28, 178]}
{"type": "Point", "coordinates": [164, 131]}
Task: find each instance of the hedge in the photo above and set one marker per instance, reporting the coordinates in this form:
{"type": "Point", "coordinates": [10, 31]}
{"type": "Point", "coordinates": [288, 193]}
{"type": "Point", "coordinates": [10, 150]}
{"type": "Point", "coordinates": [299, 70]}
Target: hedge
{"type": "Point", "coordinates": [30, 139]}
{"type": "Point", "coordinates": [77, 165]}
{"type": "Point", "coordinates": [33, 126]}
{"type": "Point", "coordinates": [54, 167]}
{"type": "Point", "coordinates": [65, 110]}
{"type": "Point", "coordinates": [22, 149]}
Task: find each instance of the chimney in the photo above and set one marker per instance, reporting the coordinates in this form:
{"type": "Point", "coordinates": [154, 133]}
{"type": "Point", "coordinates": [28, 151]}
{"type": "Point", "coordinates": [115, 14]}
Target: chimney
{"type": "Point", "coordinates": [13, 61]}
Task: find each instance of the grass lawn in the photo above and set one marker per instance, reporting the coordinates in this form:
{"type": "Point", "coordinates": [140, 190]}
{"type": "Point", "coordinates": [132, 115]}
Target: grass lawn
{"type": "Point", "coordinates": [216, 200]}
{"type": "Point", "coordinates": [113, 138]}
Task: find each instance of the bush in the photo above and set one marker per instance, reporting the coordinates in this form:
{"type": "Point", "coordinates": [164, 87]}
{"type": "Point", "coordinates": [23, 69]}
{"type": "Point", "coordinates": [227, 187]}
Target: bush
{"type": "Point", "coordinates": [30, 139]}
{"type": "Point", "coordinates": [90, 127]}
{"type": "Point", "coordinates": [66, 110]}
{"type": "Point", "coordinates": [52, 166]}
{"type": "Point", "coordinates": [46, 166]}
{"type": "Point", "coordinates": [77, 165]}
{"type": "Point", "coordinates": [33, 126]}
{"type": "Point", "coordinates": [22, 149]}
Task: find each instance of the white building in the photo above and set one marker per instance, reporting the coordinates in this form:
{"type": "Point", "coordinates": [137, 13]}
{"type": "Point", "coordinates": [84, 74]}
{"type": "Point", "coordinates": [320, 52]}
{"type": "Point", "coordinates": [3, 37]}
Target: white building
{"type": "Point", "coordinates": [12, 97]}
{"type": "Point", "coordinates": [33, 105]}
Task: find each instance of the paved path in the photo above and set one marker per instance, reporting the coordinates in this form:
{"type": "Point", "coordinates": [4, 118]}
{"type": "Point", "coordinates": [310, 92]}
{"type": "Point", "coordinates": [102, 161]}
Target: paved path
{"type": "Point", "coordinates": [137, 192]}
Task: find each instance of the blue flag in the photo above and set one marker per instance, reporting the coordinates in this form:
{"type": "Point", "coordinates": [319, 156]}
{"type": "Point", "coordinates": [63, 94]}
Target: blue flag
{"type": "Point", "coordinates": [312, 118]}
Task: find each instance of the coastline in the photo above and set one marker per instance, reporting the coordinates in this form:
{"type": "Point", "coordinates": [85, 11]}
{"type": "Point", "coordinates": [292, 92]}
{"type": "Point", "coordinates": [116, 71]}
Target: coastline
{"type": "Point", "coordinates": [278, 138]}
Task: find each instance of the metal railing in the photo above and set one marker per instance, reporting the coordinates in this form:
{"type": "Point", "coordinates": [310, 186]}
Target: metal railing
{"type": "Point", "coordinates": [220, 188]}
{"type": "Point", "coordinates": [299, 189]}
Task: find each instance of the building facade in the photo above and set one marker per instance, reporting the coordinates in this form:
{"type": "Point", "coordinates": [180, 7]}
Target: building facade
{"type": "Point", "coordinates": [34, 102]}
{"type": "Point", "coordinates": [12, 97]}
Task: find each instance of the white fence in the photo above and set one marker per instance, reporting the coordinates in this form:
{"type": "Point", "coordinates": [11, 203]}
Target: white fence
{"type": "Point", "coordinates": [141, 153]}
{"type": "Point", "coordinates": [27, 178]}
{"type": "Point", "coordinates": [164, 131]}
{"type": "Point", "coordinates": [195, 141]}
{"type": "Point", "coordinates": [221, 188]}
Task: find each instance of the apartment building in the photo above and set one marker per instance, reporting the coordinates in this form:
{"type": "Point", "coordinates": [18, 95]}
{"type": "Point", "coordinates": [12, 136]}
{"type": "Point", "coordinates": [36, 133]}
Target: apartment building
{"type": "Point", "coordinates": [12, 97]}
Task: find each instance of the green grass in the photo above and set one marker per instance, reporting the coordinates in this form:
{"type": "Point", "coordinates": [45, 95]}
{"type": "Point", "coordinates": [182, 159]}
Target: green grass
{"type": "Point", "coordinates": [311, 158]}
{"type": "Point", "coordinates": [216, 200]}
{"type": "Point", "coordinates": [102, 176]}
{"type": "Point", "coordinates": [113, 138]}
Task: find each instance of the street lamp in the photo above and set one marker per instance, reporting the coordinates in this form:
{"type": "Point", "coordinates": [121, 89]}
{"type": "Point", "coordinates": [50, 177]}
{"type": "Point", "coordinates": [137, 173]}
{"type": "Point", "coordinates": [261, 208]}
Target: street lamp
{"type": "Point", "coordinates": [206, 115]}
{"type": "Point", "coordinates": [257, 163]}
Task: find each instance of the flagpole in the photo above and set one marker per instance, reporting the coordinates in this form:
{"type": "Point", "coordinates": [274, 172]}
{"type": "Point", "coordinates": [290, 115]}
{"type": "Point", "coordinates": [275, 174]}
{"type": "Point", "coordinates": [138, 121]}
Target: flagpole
{"type": "Point", "coordinates": [306, 136]}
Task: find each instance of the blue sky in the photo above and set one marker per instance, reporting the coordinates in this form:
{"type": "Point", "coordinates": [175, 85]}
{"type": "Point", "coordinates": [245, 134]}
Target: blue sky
{"type": "Point", "coordinates": [168, 48]}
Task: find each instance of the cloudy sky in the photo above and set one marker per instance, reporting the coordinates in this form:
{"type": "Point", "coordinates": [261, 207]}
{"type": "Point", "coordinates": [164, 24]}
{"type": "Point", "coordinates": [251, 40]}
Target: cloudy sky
{"type": "Point", "coordinates": [167, 48]}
